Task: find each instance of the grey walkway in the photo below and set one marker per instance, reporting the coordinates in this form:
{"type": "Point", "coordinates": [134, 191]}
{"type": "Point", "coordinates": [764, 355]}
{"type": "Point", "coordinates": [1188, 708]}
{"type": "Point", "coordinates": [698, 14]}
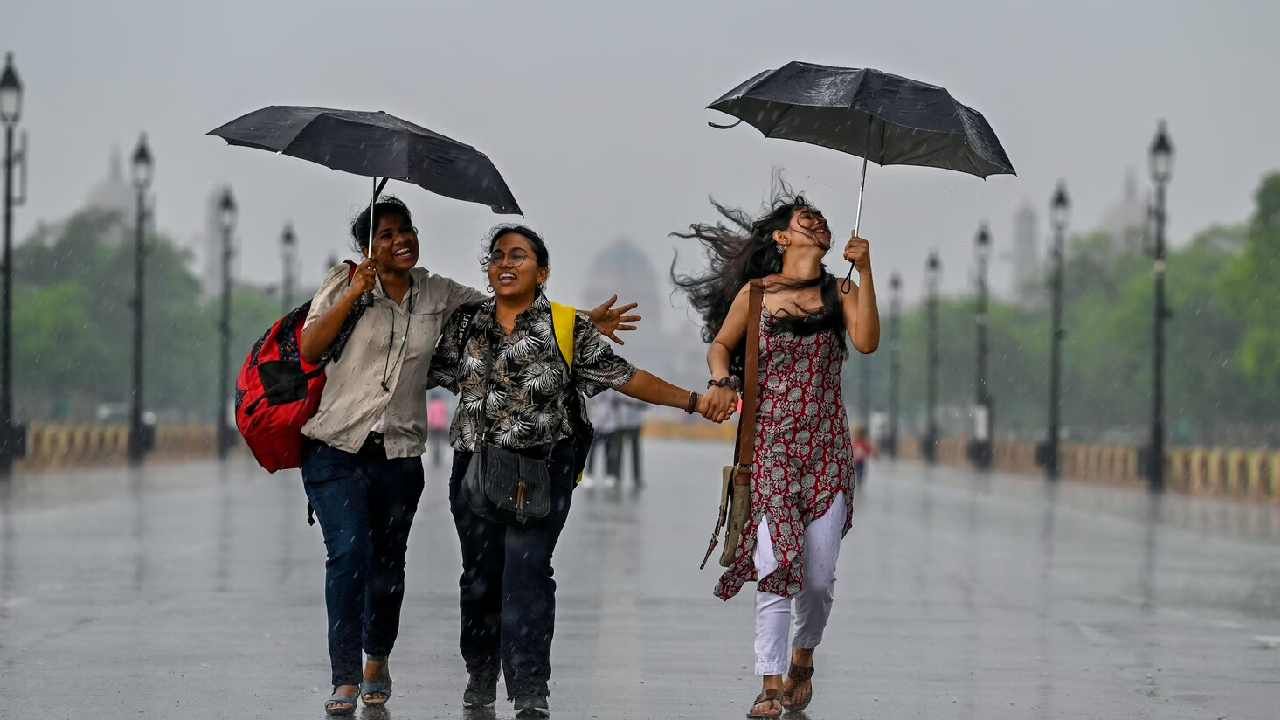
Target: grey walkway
{"type": "Point", "coordinates": [197, 592]}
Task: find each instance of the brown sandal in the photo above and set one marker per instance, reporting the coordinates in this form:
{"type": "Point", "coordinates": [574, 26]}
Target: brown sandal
{"type": "Point", "coordinates": [798, 674]}
{"type": "Point", "coordinates": [770, 696]}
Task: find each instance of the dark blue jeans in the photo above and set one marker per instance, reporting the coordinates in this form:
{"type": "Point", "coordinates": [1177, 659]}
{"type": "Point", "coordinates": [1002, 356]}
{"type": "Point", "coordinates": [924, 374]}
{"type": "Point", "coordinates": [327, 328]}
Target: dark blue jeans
{"type": "Point", "coordinates": [365, 504]}
{"type": "Point", "coordinates": [508, 596]}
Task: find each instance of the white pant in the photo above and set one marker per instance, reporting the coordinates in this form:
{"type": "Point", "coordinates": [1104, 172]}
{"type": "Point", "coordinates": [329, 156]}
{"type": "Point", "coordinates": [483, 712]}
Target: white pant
{"type": "Point", "coordinates": [813, 602]}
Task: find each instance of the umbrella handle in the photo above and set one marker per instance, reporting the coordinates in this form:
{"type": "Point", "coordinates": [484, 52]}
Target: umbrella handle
{"type": "Point", "coordinates": [847, 285]}
{"type": "Point", "coordinates": [725, 127]}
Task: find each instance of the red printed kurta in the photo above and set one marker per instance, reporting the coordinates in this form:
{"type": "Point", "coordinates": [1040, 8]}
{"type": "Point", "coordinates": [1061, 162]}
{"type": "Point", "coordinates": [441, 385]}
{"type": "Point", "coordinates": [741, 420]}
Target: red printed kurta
{"type": "Point", "coordinates": [803, 454]}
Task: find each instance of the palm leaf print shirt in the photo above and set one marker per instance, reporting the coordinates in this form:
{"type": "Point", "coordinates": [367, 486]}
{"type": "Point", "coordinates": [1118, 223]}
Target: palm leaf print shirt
{"type": "Point", "coordinates": [529, 386]}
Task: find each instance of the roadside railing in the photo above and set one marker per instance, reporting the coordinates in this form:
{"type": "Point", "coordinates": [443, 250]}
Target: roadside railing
{"type": "Point", "coordinates": [60, 446]}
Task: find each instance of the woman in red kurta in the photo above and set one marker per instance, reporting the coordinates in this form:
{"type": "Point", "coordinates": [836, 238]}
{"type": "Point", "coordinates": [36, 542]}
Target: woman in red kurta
{"type": "Point", "coordinates": [802, 474]}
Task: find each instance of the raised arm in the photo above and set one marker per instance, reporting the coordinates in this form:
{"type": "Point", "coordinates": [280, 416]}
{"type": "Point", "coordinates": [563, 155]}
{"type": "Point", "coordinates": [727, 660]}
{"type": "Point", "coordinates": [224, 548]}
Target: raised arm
{"type": "Point", "coordinates": [334, 302]}
{"type": "Point", "coordinates": [861, 316]}
{"type": "Point", "coordinates": [732, 331]}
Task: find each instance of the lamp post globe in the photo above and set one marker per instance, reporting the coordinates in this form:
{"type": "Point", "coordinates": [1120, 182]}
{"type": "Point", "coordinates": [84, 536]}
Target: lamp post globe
{"type": "Point", "coordinates": [142, 164]}
{"type": "Point", "coordinates": [10, 93]}
{"type": "Point", "coordinates": [227, 211]}
{"type": "Point", "coordinates": [1161, 155]}
{"type": "Point", "coordinates": [1059, 207]}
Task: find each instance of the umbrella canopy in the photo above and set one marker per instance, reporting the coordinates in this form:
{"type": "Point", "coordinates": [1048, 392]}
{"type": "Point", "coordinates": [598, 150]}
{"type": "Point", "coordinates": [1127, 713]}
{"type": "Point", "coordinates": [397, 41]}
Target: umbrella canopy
{"type": "Point", "coordinates": [878, 116]}
{"type": "Point", "coordinates": [376, 145]}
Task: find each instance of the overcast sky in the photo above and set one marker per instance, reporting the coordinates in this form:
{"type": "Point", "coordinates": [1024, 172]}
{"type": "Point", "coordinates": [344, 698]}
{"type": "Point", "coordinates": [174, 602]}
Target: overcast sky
{"type": "Point", "coordinates": [594, 112]}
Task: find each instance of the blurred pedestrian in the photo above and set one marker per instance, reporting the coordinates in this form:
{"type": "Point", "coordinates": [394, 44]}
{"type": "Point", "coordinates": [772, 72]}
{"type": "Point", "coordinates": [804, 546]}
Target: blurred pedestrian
{"type": "Point", "coordinates": [630, 422]}
{"type": "Point", "coordinates": [520, 406]}
{"type": "Point", "coordinates": [361, 464]}
{"type": "Point", "coordinates": [863, 451]}
{"type": "Point", "coordinates": [437, 425]}
{"type": "Point", "coordinates": [802, 472]}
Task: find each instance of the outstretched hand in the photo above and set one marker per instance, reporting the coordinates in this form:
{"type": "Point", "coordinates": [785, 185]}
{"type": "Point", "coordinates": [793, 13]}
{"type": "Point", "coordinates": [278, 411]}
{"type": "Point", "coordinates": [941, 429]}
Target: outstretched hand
{"type": "Point", "coordinates": [610, 320]}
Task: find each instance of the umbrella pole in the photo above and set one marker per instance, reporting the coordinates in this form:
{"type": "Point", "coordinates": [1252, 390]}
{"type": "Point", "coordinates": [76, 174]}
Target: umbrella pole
{"type": "Point", "coordinates": [373, 200]}
{"type": "Point", "coordinates": [857, 223]}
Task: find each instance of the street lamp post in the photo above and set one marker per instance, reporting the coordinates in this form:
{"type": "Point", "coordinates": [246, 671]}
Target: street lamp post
{"type": "Point", "coordinates": [143, 172]}
{"type": "Point", "coordinates": [980, 449]}
{"type": "Point", "coordinates": [1059, 207]}
{"type": "Point", "coordinates": [864, 396]}
{"type": "Point", "coordinates": [227, 222]}
{"type": "Point", "coordinates": [895, 315]}
{"type": "Point", "coordinates": [1161, 172]}
{"type": "Point", "coordinates": [12, 435]}
{"type": "Point", "coordinates": [933, 273]}
{"type": "Point", "coordinates": [289, 267]}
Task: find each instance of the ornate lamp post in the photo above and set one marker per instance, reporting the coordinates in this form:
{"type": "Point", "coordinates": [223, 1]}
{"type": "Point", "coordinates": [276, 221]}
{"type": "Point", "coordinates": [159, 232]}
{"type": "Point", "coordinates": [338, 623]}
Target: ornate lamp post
{"type": "Point", "coordinates": [227, 222]}
{"type": "Point", "coordinates": [980, 448]}
{"type": "Point", "coordinates": [13, 437]}
{"type": "Point", "coordinates": [1161, 156]}
{"type": "Point", "coordinates": [143, 171]}
{"type": "Point", "coordinates": [895, 316]}
{"type": "Point", "coordinates": [933, 274]}
{"type": "Point", "coordinates": [289, 267]}
{"type": "Point", "coordinates": [1059, 209]}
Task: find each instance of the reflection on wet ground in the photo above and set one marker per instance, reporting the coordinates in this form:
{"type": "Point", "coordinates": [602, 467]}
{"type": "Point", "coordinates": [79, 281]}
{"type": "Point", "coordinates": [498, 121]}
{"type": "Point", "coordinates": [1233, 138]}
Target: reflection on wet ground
{"type": "Point", "coordinates": [172, 590]}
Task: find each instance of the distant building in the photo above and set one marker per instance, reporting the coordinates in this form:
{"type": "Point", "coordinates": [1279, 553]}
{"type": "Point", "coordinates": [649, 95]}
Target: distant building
{"type": "Point", "coordinates": [207, 248]}
{"type": "Point", "coordinates": [1125, 221]}
{"type": "Point", "coordinates": [113, 192]}
{"type": "Point", "coordinates": [1028, 270]}
{"type": "Point", "coordinates": [623, 268]}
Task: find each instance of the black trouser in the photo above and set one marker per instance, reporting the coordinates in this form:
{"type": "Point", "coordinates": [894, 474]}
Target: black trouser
{"type": "Point", "coordinates": [508, 596]}
{"type": "Point", "coordinates": [631, 436]}
{"type": "Point", "coordinates": [365, 504]}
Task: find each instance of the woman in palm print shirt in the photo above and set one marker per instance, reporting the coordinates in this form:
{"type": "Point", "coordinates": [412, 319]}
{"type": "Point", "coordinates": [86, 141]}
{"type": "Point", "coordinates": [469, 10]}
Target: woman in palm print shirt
{"type": "Point", "coordinates": [502, 358]}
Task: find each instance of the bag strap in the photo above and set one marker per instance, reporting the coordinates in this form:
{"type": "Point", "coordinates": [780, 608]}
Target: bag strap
{"type": "Point", "coordinates": [750, 385]}
{"type": "Point", "coordinates": [562, 320]}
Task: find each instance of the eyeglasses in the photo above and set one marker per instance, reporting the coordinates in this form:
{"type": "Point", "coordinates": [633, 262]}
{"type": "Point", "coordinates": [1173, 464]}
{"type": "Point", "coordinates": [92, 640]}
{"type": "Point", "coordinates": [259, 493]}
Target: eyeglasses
{"type": "Point", "coordinates": [514, 258]}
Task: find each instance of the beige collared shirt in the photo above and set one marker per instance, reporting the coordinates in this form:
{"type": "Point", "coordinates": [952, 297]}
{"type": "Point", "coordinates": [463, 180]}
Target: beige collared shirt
{"type": "Point", "coordinates": [354, 400]}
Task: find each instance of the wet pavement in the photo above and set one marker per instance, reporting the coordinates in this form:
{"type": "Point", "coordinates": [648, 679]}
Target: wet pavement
{"type": "Point", "coordinates": [196, 591]}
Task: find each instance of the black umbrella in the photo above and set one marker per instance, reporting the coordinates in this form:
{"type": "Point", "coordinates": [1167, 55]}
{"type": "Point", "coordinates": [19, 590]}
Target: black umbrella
{"type": "Point", "coordinates": [376, 145]}
{"type": "Point", "coordinates": [884, 118]}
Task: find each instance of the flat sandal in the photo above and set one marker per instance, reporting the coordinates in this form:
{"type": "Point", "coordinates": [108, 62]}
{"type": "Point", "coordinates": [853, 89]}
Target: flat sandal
{"type": "Point", "coordinates": [765, 695]}
{"type": "Point", "coordinates": [798, 674]}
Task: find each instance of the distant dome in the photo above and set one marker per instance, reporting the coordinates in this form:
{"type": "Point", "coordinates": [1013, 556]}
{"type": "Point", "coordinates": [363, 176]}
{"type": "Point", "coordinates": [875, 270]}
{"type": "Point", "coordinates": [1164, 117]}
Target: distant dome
{"type": "Point", "coordinates": [113, 193]}
{"type": "Point", "coordinates": [623, 268]}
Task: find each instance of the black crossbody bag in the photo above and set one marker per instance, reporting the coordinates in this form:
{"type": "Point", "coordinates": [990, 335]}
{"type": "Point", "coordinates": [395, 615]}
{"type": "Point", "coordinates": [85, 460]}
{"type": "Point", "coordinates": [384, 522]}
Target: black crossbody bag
{"type": "Point", "coordinates": [502, 485]}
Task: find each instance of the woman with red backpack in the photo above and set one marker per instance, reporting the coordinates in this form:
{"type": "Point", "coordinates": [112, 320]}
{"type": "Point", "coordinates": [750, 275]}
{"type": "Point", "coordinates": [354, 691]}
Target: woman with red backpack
{"type": "Point", "coordinates": [361, 460]}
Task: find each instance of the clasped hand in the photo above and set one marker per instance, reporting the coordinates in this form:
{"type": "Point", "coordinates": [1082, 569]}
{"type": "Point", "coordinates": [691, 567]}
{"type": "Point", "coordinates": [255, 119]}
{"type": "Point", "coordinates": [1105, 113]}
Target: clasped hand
{"type": "Point", "coordinates": [718, 404]}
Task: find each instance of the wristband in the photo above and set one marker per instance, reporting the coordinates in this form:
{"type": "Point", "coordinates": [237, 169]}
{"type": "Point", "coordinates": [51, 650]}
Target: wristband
{"type": "Point", "coordinates": [693, 402]}
{"type": "Point", "coordinates": [729, 381]}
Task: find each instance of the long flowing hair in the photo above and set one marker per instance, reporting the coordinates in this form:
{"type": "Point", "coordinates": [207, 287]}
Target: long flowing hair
{"type": "Point", "coordinates": [740, 249]}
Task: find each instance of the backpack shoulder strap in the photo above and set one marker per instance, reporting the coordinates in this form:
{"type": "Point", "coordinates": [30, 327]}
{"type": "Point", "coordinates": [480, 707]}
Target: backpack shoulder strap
{"type": "Point", "coordinates": [562, 319]}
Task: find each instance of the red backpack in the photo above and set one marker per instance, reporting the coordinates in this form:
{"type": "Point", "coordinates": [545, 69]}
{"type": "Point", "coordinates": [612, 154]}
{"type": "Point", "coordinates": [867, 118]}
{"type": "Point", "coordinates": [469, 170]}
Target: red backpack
{"type": "Point", "coordinates": [278, 391]}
